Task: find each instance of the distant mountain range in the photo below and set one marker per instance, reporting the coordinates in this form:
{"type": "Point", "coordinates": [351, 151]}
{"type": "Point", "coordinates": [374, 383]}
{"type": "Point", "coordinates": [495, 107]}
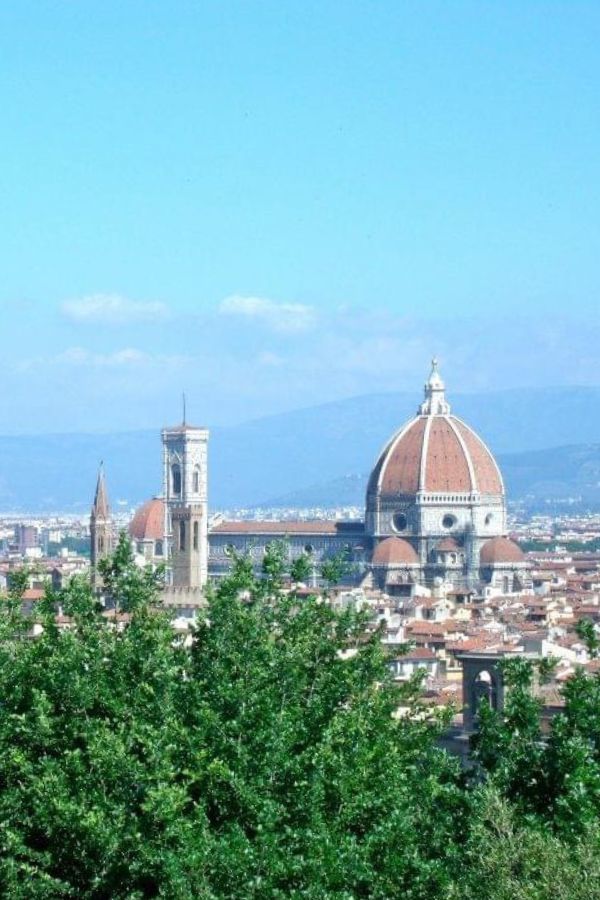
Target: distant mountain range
{"type": "Point", "coordinates": [314, 456]}
{"type": "Point", "coordinates": [556, 474]}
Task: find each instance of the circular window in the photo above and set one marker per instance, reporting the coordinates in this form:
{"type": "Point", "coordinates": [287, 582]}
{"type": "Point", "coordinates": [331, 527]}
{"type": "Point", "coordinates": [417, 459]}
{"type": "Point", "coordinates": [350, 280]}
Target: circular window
{"type": "Point", "coordinates": [449, 521]}
{"type": "Point", "coordinates": [400, 522]}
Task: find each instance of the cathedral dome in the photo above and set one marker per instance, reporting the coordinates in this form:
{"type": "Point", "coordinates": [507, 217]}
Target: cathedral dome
{"type": "Point", "coordinates": [395, 551]}
{"type": "Point", "coordinates": [448, 545]}
{"type": "Point", "coordinates": [500, 550]}
{"type": "Point", "coordinates": [148, 523]}
{"type": "Point", "coordinates": [435, 453]}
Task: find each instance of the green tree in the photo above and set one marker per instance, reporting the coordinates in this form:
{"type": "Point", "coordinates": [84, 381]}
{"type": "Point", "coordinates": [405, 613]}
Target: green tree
{"type": "Point", "coordinates": [302, 568]}
{"type": "Point", "coordinates": [336, 567]}
{"type": "Point", "coordinates": [264, 760]}
{"type": "Point", "coordinates": [510, 857]}
{"type": "Point", "coordinates": [552, 774]}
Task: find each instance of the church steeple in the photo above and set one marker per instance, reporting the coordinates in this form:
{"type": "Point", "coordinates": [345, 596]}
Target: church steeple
{"type": "Point", "coordinates": [100, 508]}
{"type": "Point", "coordinates": [101, 534]}
{"type": "Point", "coordinates": [435, 403]}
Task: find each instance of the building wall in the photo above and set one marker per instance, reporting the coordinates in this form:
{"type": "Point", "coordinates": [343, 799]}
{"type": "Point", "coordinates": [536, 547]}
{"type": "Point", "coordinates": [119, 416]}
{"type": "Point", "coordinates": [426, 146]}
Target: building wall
{"type": "Point", "coordinates": [318, 547]}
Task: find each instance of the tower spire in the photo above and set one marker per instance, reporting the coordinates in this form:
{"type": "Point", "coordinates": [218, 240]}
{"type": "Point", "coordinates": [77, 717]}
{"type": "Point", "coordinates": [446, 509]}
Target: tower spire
{"type": "Point", "coordinates": [435, 403]}
{"type": "Point", "coordinates": [100, 508]}
{"type": "Point", "coordinates": [101, 536]}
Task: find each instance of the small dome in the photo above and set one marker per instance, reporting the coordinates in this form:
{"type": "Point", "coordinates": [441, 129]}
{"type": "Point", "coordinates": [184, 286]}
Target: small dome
{"type": "Point", "coordinates": [448, 545]}
{"type": "Point", "coordinates": [395, 551]}
{"type": "Point", "coordinates": [500, 550]}
{"type": "Point", "coordinates": [148, 523]}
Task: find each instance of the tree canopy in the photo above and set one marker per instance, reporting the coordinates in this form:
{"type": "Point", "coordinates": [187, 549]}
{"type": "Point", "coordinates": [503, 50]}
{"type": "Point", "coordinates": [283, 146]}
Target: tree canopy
{"type": "Point", "coordinates": [267, 755]}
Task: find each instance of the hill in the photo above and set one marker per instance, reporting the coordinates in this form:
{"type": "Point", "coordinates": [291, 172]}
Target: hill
{"type": "Point", "coordinates": [278, 455]}
{"type": "Point", "coordinates": [555, 474]}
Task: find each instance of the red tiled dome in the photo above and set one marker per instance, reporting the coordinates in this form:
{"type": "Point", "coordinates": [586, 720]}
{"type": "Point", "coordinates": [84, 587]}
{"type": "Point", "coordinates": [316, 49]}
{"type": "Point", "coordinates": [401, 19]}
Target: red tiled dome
{"type": "Point", "coordinates": [395, 551]}
{"type": "Point", "coordinates": [148, 524]}
{"type": "Point", "coordinates": [436, 454]}
{"type": "Point", "coordinates": [500, 550]}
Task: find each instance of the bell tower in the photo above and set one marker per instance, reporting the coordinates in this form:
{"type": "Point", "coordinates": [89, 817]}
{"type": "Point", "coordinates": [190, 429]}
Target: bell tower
{"type": "Point", "coordinates": [101, 533]}
{"type": "Point", "coordinates": [185, 480]}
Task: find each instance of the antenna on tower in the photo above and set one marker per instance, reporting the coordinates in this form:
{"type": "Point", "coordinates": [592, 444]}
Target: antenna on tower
{"type": "Point", "coordinates": [183, 399]}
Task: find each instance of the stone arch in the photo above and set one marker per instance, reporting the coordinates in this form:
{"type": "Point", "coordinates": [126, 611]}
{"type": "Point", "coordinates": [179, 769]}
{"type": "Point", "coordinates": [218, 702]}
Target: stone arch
{"type": "Point", "coordinates": [482, 680]}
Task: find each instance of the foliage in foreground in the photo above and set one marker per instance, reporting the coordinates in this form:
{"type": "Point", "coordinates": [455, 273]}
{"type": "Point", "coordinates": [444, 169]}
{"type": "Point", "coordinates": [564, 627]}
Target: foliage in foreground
{"type": "Point", "coordinates": [262, 759]}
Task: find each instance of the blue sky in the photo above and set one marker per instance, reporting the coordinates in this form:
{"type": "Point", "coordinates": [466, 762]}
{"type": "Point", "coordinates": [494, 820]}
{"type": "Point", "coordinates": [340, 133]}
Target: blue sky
{"type": "Point", "coordinates": [275, 203]}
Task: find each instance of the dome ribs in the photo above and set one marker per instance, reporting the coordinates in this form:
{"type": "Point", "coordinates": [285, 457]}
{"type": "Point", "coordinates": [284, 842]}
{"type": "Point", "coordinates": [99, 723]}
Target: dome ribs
{"type": "Point", "coordinates": [489, 480]}
{"type": "Point", "coordinates": [447, 468]}
{"type": "Point", "coordinates": [436, 455]}
{"type": "Point", "coordinates": [401, 467]}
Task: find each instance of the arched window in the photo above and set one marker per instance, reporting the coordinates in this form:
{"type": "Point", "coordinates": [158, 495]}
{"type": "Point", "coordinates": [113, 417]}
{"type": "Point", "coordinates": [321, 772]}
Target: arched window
{"type": "Point", "coordinates": [176, 479]}
{"type": "Point", "coordinates": [100, 545]}
{"type": "Point", "coordinates": [196, 481]}
{"type": "Point", "coordinates": [484, 688]}
{"type": "Point", "coordinates": [196, 535]}
{"type": "Point", "coordinates": [158, 549]}
{"type": "Point", "coordinates": [182, 534]}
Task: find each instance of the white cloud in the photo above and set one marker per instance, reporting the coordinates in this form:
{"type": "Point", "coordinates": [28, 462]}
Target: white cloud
{"type": "Point", "coordinates": [77, 356]}
{"type": "Point", "coordinates": [282, 317]}
{"type": "Point", "coordinates": [267, 358]}
{"type": "Point", "coordinates": [112, 309]}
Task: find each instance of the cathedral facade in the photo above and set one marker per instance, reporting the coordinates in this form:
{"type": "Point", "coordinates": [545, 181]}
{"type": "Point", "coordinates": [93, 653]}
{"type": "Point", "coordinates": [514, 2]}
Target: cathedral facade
{"type": "Point", "coordinates": [435, 514]}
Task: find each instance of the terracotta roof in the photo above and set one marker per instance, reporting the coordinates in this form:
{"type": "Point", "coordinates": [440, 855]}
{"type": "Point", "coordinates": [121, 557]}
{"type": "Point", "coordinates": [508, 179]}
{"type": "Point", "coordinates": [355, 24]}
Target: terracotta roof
{"type": "Point", "coordinates": [487, 474]}
{"type": "Point", "coordinates": [417, 653]}
{"type": "Point", "coordinates": [318, 526]}
{"type": "Point", "coordinates": [436, 454]}
{"type": "Point", "coordinates": [447, 544]}
{"type": "Point", "coordinates": [148, 524]}
{"type": "Point", "coordinates": [431, 628]}
{"type": "Point", "coordinates": [446, 464]}
{"type": "Point", "coordinates": [394, 551]}
{"type": "Point", "coordinates": [468, 644]}
{"type": "Point", "coordinates": [500, 550]}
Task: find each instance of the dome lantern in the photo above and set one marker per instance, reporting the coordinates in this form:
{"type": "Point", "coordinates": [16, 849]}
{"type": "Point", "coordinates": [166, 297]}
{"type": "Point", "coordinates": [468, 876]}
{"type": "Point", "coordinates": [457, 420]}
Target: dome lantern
{"type": "Point", "coordinates": [435, 403]}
